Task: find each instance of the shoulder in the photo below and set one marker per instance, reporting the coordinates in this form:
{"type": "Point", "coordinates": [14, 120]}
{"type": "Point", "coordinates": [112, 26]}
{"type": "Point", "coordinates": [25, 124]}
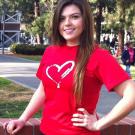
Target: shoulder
{"type": "Point", "coordinates": [48, 50]}
{"type": "Point", "coordinates": [99, 57]}
{"type": "Point", "coordinates": [51, 48]}
{"type": "Point", "coordinates": [102, 57]}
{"type": "Point", "coordinates": [100, 53]}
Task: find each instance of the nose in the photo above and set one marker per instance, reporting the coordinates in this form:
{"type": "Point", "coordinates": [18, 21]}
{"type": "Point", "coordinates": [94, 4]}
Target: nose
{"type": "Point", "coordinates": [67, 21]}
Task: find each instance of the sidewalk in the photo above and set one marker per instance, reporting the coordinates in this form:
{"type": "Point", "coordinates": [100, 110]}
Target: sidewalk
{"type": "Point", "coordinates": [23, 72]}
{"type": "Point", "coordinates": [19, 70]}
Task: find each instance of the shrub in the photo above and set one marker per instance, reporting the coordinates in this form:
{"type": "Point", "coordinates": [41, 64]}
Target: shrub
{"type": "Point", "coordinates": [13, 48]}
{"type": "Point", "coordinates": [28, 49]}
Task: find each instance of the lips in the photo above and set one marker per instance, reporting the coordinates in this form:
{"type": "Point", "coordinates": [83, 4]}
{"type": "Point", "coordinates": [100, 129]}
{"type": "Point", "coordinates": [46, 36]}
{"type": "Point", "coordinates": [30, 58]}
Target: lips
{"type": "Point", "coordinates": [69, 31]}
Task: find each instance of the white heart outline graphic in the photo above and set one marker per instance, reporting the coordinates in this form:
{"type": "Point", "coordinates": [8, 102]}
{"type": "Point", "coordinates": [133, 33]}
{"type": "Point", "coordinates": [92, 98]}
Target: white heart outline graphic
{"type": "Point", "coordinates": [59, 69]}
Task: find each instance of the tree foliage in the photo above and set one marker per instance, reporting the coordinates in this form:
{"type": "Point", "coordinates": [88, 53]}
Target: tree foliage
{"type": "Point", "coordinates": [123, 16]}
{"type": "Point", "coordinates": [122, 20]}
{"type": "Point", "coordinates": [99, 7]}
{"type": "Point", "coordinates": [25, 6]}
{"type": "Point", "coordinates": [42, 25]}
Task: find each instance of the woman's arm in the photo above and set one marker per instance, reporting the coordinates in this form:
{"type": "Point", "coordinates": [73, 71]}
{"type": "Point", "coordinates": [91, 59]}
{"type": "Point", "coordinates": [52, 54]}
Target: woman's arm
{"type": "Point", "coordinates": [119, 111]}
{"type": "Point", "coordinates": [34, 105]}
{"type": "Point", "coordinates": [122, 108]}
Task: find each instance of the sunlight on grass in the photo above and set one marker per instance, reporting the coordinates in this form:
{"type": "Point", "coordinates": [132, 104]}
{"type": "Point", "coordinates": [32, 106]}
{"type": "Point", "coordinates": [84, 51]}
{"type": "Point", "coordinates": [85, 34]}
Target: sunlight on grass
{"type": "Point", "coordinates": [4, 82]}
{"type": "Point", "coordinates": [133, 72]}
{"type": "Point", "coordinates": [29, 57]}
{"type": "Point", "coordinates": [132, 69]}
{"type": "Point", "coordinates": [13, 99]}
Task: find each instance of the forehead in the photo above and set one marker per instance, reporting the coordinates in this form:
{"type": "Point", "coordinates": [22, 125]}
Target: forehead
{"type": "Point", "coordinates": [70, 9]}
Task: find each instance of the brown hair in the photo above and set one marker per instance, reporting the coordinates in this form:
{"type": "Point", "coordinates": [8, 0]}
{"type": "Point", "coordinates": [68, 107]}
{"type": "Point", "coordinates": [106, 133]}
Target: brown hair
{"type": "Point", "coordinates": [86, 40]}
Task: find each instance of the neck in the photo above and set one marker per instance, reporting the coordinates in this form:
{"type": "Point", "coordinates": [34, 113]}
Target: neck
{"type": "Point", "coordinates": [73, 44]}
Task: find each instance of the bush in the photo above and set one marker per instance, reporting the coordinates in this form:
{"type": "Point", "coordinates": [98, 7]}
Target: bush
{"type": "Point", "coordinates": [28, 49]}
{"type": "Point", "coordinates": [13, 48]}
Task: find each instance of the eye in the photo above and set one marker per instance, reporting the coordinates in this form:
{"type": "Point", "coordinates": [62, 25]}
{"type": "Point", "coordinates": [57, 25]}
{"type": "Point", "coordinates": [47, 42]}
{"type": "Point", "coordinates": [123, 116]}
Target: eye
{"type": "Point", "coordinates": [62, 18]}
{"type": "Point", "coordinates": [75, 16]}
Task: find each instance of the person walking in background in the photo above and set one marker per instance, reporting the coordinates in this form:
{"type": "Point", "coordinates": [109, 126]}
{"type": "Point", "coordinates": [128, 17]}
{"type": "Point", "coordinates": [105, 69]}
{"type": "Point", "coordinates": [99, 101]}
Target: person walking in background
{"type": "Point", "coordinates": [113, 46]}
{"type": "Point", "coordinates": [107, 40]}
{"type": "Point", "coordinates": [72, 71]}
{"type": "Point", "coordinates": [128, 56]}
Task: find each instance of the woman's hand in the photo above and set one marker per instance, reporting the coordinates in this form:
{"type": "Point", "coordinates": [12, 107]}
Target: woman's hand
{"type": "Point", "coordinates": [14, 126]}
{"type": "Point", "coordinates": [84, 119]}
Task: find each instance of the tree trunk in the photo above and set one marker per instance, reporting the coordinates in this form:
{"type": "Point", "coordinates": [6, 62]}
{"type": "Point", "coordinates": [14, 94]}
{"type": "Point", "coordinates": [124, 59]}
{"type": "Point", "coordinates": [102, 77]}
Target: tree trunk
{"type": "Point", "coordinates": [37, 13]}
{"type": "Point", "coordinates": [98, 24]}
{"type": "Point", "coordinates": [120, 42]}
{"type": "Point", "coordinates": [37, 8]}
{"type": "Point", "coordinates": [121, 30]}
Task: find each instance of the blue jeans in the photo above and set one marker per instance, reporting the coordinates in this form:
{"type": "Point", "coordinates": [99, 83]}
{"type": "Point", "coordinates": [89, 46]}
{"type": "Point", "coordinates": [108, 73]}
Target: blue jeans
{"type": "Point", "coordinates": [128, 70]}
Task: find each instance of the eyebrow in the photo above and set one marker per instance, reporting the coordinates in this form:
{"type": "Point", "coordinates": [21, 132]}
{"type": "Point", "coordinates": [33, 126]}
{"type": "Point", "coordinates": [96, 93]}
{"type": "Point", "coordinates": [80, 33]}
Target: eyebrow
{"type": "Point", "coordinates": [72, 14]}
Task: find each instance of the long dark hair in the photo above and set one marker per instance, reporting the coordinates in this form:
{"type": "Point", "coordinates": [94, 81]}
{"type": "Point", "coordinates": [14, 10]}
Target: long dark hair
{"type": "Point", "coordinates": [86, 40]}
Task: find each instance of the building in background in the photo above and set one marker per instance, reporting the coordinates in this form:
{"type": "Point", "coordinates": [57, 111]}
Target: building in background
{"type": "Point", "coordinates": [9, 29]}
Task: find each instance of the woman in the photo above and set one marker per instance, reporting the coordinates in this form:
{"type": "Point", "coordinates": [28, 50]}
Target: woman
{"type": "Point", "coordinates": [128, 57]}
{"type": "Point", "coordinates": [72, 72]}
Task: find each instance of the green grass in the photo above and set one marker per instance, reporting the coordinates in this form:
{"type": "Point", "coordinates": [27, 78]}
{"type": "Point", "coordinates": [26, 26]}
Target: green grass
{"type": "Point", "coordinates": [133, 72]}
{"type": "Point", "coordinates": [12, 109]}
{"type": "Point", "coordinates": [132, 69]}
{"type": "Point", "coordinates": [34, 58]}
{"type": "Point", "coordinates": [4, 82]}
{"type": "Point", "coordinates": [29, 57]}
{"type": "Point", "coordinates": [13, 99]}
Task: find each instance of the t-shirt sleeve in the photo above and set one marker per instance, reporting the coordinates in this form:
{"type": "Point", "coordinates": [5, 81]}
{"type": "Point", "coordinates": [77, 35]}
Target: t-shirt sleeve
{"type": "Point", "coordinates": [109, 70]}
{"type": "Point", "coordinates": [41, 65]}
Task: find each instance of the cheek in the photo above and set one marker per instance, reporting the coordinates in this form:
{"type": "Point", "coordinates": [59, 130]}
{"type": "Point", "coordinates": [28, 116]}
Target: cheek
{"type": "Point", "coordinates": [60, 28]}
{"type": "Point", "coordinates": [81, 26]}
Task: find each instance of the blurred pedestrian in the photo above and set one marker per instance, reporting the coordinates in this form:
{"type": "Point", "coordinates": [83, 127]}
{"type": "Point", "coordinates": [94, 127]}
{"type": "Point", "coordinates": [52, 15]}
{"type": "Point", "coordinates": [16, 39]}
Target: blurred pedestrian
{"type": "Point", "coordinates": [128, 56]}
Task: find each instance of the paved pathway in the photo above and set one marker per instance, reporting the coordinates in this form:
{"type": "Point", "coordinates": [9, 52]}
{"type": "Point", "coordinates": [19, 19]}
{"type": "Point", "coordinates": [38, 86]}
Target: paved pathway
{"type": "Point", "coordinates": [23, 71]}
{"type": "Point", "coordinates": [19, 70]}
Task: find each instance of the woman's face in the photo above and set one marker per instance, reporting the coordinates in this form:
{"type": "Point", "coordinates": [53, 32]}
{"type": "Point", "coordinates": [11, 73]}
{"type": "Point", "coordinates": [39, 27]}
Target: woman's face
{"type": "Point", "coordinates": [71, 24]}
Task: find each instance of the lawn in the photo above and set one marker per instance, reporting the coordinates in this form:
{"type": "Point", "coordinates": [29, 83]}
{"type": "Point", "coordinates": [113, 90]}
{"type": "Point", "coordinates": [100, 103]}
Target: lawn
{"type": "Point", "coordinates": [13, 99]}
{"type": "Point", "coordinates": [30, 57]}
{"type": "Point", "coordinates": [133, 72]}
{"type": "Point", "coordinates": [132, 69]}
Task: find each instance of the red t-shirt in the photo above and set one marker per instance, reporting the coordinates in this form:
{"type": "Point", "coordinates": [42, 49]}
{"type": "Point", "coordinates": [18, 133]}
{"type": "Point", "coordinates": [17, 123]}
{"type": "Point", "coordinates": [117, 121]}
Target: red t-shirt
{"type": "Point", "coordinates": [56, 71]}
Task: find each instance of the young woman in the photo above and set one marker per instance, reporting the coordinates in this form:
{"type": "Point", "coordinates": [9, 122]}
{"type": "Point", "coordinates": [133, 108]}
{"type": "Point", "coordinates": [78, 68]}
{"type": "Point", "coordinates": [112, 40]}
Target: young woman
{"type": "Point", "coordinates": [72, 72]}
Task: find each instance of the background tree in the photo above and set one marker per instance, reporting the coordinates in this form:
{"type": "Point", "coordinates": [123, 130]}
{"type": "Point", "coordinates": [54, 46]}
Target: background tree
{"type": "Point", "coordinates": [48, 11]}
{"type": "Point", "coordinates": [42, 23]}
{"type": "Point", "coordinates": [121, 20]}
{"type": "Point", "coordinates": [25, 6]}
{"type": "Point", "coordinates": [38, 20]}
{"type": "Point", "coordinates": [99, 7]}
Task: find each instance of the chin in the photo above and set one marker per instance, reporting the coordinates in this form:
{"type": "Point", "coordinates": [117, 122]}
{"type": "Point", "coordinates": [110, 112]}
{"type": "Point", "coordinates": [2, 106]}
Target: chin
{"type": "Point", "coordinates": [70, 38]}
